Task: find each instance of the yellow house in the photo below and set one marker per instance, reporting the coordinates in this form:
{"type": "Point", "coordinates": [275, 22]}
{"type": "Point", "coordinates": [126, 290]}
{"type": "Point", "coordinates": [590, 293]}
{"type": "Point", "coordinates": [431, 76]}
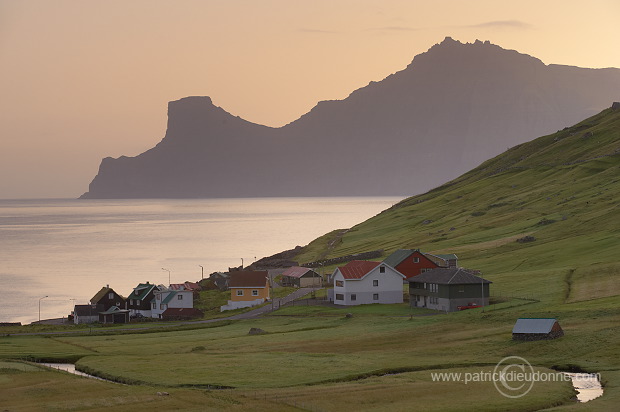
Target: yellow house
{"type": "Point", "coordinates": [249, 288]}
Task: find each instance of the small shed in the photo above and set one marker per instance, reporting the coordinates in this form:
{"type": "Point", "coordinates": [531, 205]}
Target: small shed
{"type": "Point", "coordinates": [87, 313]}
{"type": "Point", "coordinates": [536, 329]}
{"type": "Point", "coordinates": [301, 277]}
{"type": "Point", "coordinates": [114, 315]}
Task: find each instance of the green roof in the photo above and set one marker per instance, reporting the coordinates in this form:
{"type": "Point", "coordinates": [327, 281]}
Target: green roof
{"type": "Point", "coordinates": [99, 295]}
{"type": "Point", "coordinates": [141, 291]}
{"type": "Point", "coordinates": [398, 256]}
{"type": "Point", "coordinates": [169, 298]}
{"type": "Point", "coordinates": [114, 309]}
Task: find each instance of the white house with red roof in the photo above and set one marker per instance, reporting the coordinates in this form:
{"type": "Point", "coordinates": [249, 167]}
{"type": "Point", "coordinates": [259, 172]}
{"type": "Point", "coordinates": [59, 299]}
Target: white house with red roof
{"type": "Point", "coordinates": [363, 282]}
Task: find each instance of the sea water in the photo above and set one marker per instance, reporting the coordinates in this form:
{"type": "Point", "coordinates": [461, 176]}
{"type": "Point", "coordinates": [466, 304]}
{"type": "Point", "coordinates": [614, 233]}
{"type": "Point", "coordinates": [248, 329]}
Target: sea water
{"type": "Point", "coordinates": [58, 253]}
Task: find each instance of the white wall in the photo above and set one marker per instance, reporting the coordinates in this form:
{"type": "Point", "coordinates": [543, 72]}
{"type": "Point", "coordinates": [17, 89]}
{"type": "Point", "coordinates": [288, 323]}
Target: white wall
{"type": "Point", "coordinates": [389, 288]}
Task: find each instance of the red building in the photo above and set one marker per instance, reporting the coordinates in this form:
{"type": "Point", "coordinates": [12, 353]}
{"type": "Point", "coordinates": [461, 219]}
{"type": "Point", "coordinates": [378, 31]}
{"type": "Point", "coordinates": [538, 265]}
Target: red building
{"type": "Point", "coordinates": [412, 262]}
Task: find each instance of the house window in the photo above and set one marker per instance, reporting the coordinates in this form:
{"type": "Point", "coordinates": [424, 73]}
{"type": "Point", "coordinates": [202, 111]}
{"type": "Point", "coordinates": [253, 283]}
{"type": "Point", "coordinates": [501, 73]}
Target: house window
{"type": "Point", "coordinates": [375, 282]}
{"type": "Point", "coordinates": [339, 296]}
{"type": "Point", "coordinates": [353, 296]}
{"type": "Point", "coordinates": [131, 302]}
{"type": "Point", "coordinates": [110, 295]}
{"type": "Point", "coordinates": [461, 288]}
{"type": "Point", "coordinates": [254, 292]}
{"type": "Point", "coordinates": [154, 306]}
{"type": "Point", "coordinates": [382, 269]}
{"type": "Point", "coordinates": [416, 260]}
{"type": "Point", "coordinates": [163, 306]}
{"type": "Point", "coordinates": [158, 297]}
{"type": "Point", "coordinates": [375, 296]}
{"type": "Point", "coordinates": [180, 297]}
{"type": "Point", "coordinates": [239, 292]}
{"type": "Point", "coordinates": [340, 283]}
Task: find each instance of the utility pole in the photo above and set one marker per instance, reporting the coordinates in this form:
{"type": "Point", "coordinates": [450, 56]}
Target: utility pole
{"type": "Point", "coordinates": [40, 307]}
{"type": "Point", "coordinates": [168, 270]}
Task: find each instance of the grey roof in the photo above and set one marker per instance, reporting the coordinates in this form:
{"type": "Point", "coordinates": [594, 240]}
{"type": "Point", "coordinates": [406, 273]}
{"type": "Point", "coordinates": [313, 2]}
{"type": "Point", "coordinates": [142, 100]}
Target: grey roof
{"type": "Point", "coordinates": [88, 310]}
{"type": "Point", "coordinates": [448, 256]}
{"type": "Point", "coordinates": [444, 276]}
{"type": "Point", "coordinates": [299, 272]}
{"type": "Point", "coordinates": [398, 256]}
{"type": "Point", "coordinates": [534, 325]}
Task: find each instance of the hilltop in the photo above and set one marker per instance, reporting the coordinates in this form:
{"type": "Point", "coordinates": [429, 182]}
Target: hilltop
{"type": "Point", "coordinates": [453, 107]}
{"type": "Point", "coordinates": [558, 194]}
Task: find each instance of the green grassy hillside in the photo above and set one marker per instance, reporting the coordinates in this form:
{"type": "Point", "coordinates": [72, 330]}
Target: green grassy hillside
{"type": "Point", "coordinates": [562, 189]}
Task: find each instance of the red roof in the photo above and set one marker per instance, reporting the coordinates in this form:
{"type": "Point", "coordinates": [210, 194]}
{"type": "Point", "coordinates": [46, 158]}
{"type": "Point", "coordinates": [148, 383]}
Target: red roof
{"type": "Point", "coordinates": [185, 286]}
{"type": "Point", "coordinates": [248, 279]}
{"type": "Point", "coordinates": [357, 269]}
{"type": "Point", "coordinates": [296, 271]}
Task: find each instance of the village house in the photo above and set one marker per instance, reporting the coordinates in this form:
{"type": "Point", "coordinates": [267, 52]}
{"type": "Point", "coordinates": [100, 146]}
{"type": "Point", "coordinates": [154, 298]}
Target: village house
{"type": "Point", "coordinates": [169, 298]}
{"type": "Point", "coordinates": [362, 282]}
{"type": "Point", "coordinates": [301, 277]}
{"type": "Point", "coordinates": [536, 329]}
{"type": "Point", "coordinates": [87, 313]}
{"type": "Point", "coordinates": [139, 301]}
{"type": "Point", "coordinates": [412, 262]}
{"type": "Point", "coordinates": [448, 290]}
{"type": "Point", "coordinates": [247, 288]}
{"type": "Point", "coordinates": [108, 298]}
{"type": "Point", "coordinates": [220, 280]}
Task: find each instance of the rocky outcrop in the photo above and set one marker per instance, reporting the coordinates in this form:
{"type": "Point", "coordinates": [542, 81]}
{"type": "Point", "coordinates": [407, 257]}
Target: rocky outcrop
{"type": "Point", "coordinates": [452, 108]}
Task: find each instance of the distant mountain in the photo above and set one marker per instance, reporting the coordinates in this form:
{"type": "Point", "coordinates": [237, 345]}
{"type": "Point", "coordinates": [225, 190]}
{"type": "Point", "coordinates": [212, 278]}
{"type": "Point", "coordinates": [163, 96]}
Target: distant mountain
{"type": "Point", "coordinates": [452, 108]}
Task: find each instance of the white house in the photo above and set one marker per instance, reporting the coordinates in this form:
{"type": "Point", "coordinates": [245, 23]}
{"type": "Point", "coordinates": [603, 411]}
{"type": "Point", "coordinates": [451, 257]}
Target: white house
{"type": "Point", "coordinates": [167, 298]}
{"type": "Point", "coordinates": [362, 282]}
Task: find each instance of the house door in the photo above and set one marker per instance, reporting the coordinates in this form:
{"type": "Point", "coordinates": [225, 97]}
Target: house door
{"type": "Point", "coordinates": [425, 297]}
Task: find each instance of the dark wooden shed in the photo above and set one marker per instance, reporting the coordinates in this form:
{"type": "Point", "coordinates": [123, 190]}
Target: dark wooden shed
{"type": "Point", "coordinates": [536, 329]}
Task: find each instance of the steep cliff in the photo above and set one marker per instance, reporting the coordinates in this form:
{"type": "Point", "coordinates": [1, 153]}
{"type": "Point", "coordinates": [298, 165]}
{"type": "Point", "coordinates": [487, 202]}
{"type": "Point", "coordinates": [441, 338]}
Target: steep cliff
{"type": "Point", "coordinates": [453, 107]}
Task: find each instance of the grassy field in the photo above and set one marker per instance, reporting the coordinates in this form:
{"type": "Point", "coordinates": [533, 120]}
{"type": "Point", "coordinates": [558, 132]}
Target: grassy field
{"type": "Point", "coordinates": [562, 189]}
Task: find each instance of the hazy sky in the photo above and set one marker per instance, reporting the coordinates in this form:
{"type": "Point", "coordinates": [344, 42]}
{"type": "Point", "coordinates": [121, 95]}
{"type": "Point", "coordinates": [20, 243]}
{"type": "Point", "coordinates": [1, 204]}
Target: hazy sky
{"type": "Point", "coordinates": [81, 80]}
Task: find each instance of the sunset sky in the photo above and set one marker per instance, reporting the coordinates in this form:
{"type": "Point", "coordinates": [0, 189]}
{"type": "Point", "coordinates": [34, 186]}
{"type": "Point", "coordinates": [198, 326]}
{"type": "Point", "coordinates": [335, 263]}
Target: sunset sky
{"type": "Point", "coordinates": [81, 80]}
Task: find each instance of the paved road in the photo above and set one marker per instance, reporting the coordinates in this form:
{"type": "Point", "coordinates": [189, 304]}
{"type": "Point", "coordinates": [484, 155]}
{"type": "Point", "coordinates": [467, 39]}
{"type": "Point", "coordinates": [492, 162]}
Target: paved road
{"type": "Point", "coordinates": [276, 303]}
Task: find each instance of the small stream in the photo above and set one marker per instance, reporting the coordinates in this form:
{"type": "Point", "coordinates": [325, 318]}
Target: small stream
{"type": "Point", "coordinates": [588, 385]}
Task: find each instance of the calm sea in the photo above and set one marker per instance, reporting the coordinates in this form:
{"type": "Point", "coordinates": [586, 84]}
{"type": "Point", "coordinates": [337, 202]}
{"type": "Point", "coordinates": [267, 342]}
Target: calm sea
{"type": "Point", "coordinates": [68, 249]}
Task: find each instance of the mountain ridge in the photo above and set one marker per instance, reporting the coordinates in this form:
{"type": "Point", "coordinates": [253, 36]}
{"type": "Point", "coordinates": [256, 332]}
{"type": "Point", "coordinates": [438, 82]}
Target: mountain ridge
{"type": "Point", "coordinates": [451, 108]}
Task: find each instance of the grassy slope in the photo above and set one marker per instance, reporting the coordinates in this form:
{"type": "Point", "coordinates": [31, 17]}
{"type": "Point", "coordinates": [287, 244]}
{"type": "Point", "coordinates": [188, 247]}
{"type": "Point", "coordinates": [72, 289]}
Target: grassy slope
{"type": "Point", "coordinates": [480, 215]}
{"type": "Point", "coordinates": [571, 270]}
